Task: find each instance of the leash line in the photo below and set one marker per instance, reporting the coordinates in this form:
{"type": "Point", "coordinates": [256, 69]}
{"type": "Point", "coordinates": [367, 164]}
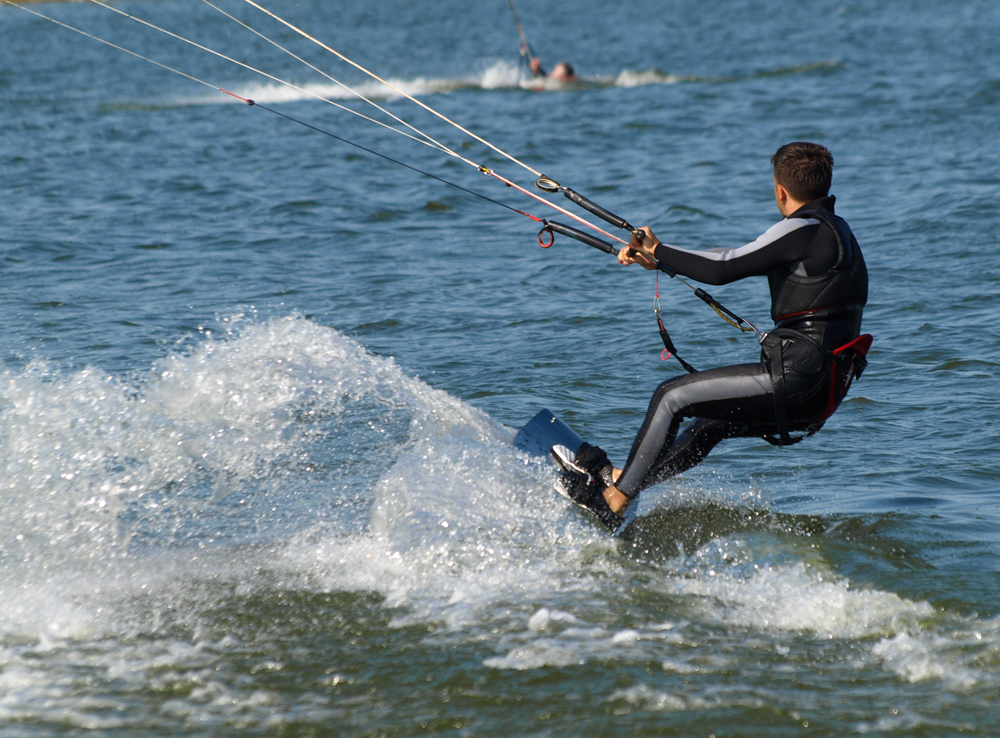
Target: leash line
{"type": "Point", "coordinates": [428, 142]}
{"type": "Point", "coordinates": [435, 144]}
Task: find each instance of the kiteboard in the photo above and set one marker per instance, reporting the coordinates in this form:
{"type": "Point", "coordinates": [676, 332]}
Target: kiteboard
{"type": "Point", "coordinates": [545, 432]}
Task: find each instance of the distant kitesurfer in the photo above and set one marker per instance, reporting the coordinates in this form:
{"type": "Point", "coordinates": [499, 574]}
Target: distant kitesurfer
{"type": "Point", "coordinates": [561, 72]}
{"type": "Point", "coordinates": [819, 286]}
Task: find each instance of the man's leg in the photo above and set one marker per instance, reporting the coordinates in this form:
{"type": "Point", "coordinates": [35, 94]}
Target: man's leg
{"type": "Point", "coordinates": [734, 395]}
{"type": "Point", "coordinates": [690, 448]}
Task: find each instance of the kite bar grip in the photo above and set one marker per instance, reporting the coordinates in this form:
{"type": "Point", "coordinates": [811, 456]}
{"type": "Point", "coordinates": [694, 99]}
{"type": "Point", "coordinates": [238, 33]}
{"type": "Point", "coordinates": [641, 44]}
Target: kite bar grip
{"type": "Point", "coordinates": [579, 235]}
{"type": "Point", "coordinates": [597, 210]}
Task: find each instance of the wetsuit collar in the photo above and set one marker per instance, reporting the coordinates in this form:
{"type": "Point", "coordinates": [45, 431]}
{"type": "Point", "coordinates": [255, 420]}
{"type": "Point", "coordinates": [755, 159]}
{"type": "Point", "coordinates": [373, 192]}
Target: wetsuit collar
{"type": "Point", "coordinates": [821, 203]}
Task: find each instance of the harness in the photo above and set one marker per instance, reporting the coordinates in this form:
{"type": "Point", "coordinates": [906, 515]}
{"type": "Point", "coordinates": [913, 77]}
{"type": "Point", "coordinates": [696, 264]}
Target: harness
{"type": "Point", "coordinates": [844, 363]}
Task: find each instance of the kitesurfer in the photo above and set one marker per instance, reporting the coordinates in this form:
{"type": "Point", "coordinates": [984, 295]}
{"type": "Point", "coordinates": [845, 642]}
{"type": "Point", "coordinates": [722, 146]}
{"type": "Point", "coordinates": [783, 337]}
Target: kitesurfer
{"type": "Point", "coordinates": [819, 286]}
{"type": "Point", "coordinates": [561, 72]}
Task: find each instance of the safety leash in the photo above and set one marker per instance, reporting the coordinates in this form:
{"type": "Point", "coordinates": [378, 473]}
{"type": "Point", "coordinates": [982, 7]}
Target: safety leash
{"type": "Point", "coordinates": [668, 345]}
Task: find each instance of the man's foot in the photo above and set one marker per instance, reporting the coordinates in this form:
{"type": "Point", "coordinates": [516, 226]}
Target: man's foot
{"type": "Point", "coordinates": [585, 476]}
{"type": "Point", "coordinates": [594, 460]}
{"type": "Point", "coordinates": [567, 460]}
{"type": "Point", "coordinates": [588, 493]}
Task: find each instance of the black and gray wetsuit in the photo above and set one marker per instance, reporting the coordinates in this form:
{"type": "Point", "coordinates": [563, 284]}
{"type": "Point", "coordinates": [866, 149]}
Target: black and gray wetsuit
{"type": "Point", "coordinates": [819, 286]}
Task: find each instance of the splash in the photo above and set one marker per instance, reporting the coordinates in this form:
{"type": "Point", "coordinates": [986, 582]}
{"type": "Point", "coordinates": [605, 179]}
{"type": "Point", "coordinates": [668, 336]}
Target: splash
{"type": "Point", "coordinates": [500, 75]}
{"type": "Point", "coordinates": [780, 594]}
{"type": "Point", "coordinates": [94, 461]}
{"type": "Point", "coordinates": [282, 446]}
{"type": "Point", "coordinates": [284, 457]}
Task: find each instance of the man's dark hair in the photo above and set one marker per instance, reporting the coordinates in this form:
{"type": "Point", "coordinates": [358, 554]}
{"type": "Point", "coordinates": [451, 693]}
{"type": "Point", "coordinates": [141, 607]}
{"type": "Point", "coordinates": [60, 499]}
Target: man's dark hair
{"type": "Point", "coordinates": [804, 169]}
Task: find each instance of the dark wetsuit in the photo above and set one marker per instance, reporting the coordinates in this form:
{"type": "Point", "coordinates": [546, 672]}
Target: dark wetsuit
{"type": "Point", "coordinates": [819, 286]}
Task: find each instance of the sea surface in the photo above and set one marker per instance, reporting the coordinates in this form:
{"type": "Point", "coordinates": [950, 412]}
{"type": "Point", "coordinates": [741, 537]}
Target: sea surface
{"type": "Point", "coordinates": [259, 386]}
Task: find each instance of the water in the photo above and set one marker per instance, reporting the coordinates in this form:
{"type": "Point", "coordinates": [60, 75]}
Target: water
{"type": "Point", "coordinates": [259, 387]}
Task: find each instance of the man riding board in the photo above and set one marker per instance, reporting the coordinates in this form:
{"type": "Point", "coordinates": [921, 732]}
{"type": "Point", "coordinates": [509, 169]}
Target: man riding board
{"type": "Point", "coordinates": [819, 286]}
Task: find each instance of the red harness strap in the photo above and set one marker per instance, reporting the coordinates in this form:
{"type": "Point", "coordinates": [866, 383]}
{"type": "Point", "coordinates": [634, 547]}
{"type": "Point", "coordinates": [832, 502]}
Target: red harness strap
{"type": "Point", "coordinates": [848, 363]}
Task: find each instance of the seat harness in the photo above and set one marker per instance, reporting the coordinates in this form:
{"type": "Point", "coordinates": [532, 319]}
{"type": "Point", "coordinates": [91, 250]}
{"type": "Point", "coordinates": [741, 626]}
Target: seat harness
{"type": "Point", "coordinates": [845, 363]}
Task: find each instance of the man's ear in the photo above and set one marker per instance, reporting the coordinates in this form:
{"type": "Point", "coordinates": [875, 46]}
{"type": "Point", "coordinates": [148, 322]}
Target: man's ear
{"type": "Point", "coordinates": [781, 197]}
